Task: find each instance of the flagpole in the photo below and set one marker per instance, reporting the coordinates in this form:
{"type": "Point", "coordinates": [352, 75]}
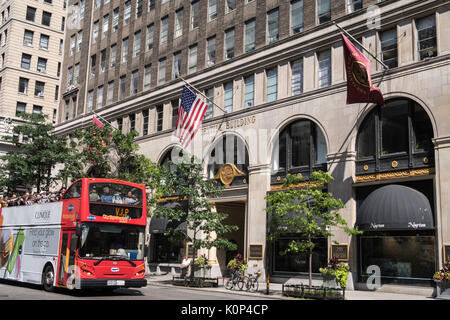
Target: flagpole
{"type": "Point", "coordinates": [104, 120]}
{"type": "Point", "coordinates": [360, 44]}
{"type": "Point", "coordinates": [190, 85]}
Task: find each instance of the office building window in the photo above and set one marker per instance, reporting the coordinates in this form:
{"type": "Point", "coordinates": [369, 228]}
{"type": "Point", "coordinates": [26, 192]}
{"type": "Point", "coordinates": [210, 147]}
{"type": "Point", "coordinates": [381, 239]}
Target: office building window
{"type": "Point", "coordinates": [145, 122]}
{"type": "Point", "coordinates": [79, 40]}
{"type": "Point", "coordinates": [230, 5]}
{"type": "Point", "coordinates": [139, 5]}
{"type": "Point", "coordinates": [296, 16]}
{"type": "Point", "coordinates": [20, 108]}
{"type": "Point", "coordinates": [37, 109]}
{"type": "Point", "coordinates": [176, 72]}
{"type": "Point", "coordinates": [195, 7]}
{"type": "Point", "coordinates": [162, 71]}
{"type": "Point", "coordinates": [193, 58]}
{"type": "Point", "coordinates": [324, 59]}
{"type": "Point", "coordinates": [74, 107]}
{"type": "Point", "coordinates": [112, 56]}
{"type": "Point", "coordinates": [110, 92]}
{"type": "Point", "coordinates": [103, 60]}
{"type": "Point", "coordinates": [99, 97]}
{"type": "Point", "coordinates": [26, 61]}
{"type": "Point", "coordinates": [132, 118]}
{"type": "Point", "coordinates": [28, 38]}
{"type": "Point", "coordinates": [69, 76]}
{"type": "Point", "coordinates": [175, 106]}
{"type": "Point", "coordinates": [42, 65]}
{"type": "Point", "coordinates": [76, 73]}
{"type": "Point", "coordinates": [31, 14]}
{"type": "Point", "coordinates": [39, 89]}
{"type": "Point", "coordinates": [95, 32]}
{"type": "Point", "coordinates": [82, 6]}
{"type": "Point", "coordinates": [127, 13]}
{"type": "Point", "coordinates": [125, 50]}
{"type": "Point", "coordinates": [159, 119]}
{"type": "Point", "coordinates": [54, 116]}
{"type": "Point", "coordinates": [137, 44]}
{"type": "Point", "coordinates": [23, 85]}
{"type": "Point", "coordinates": [66, 108]}
{"type": "Point", "coordinates": [209, 93]}
{"type": "Point", "coordinates": [105, 26]}
{"type": "Point", "coordinates": [123, 82]}
{"type": "Point", "coordinates": [56, 93]}
{"type": "Point", "coordinates": [90, 101]}
{"type": "Point", "coordinates": [151, 5]}
{"type": "Point", "coordinates": [115, 24]}
{"type": "Point", "coordinates": [272, 84]}
{"type": "Point", "coordinates": [119, 124]}
{"type": "Point", "coordinates": [354, 5]}
{"type": "Point", "coordinates": [211, 51]}
{"type": "Point", "coordinates": [250, 35]}
{"type": "Point", "coordinates": [134, 82]}
{"type": "Point", "coordinates": [149, 40]}
{"type": "Point", "coordinates": [228, 97]}
{"type": "Point", "coordinates": [272, 26]}
{"type": "Point", "coordinates": [229, 44]}
{"type": "Point", "coordinates": [388, 40]}
{"type": "Point", "coordinates": [179, 23]}
{"type": "Point", "coordinates": [164, 30]}
{"type": "Point", "coordinates": [72, 45]}
{"type": "Point", "coordinates": [93, 65]}
{"type": "Point", "coordinates": [212, 10]}
{"type": "Point", "coordinates": [46, 18]}
{"type": "Point", "coordinates": [249, 83]}
{"type": "Point", "coordinates": [297, 77]}
{"type": "Point", "coordinates": [147, 77]}
{"type": "Point", "coordinates": [98, 3]}
{"type": "Point", "coordinates": [426, 35]}
{"type": "Point", "coordinates": [323, 11]}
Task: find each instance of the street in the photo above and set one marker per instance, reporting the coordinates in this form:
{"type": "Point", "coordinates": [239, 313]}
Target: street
{"type": "Point", "coordinates": [20, 291]}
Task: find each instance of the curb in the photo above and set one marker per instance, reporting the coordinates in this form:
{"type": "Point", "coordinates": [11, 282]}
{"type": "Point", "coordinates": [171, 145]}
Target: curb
{"type": "Point", "coordinates": [274, 294]}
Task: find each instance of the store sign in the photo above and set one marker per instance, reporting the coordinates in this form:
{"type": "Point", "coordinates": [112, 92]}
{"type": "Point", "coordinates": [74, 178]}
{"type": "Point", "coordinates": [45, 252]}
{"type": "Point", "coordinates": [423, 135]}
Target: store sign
{"type": "Point", "coordinates": [255, 251]}
{"type": "Point", "coordinates": [340, 252]}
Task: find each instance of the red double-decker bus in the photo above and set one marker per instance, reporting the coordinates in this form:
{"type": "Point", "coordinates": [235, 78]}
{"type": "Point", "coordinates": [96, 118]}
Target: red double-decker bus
{"type": "Point", "coordinates": [93, 238]}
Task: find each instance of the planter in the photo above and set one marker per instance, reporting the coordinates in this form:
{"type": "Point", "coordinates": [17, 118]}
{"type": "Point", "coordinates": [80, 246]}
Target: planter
{"type": "Point", "coordinates": [204, 272]}
{"type": "Point", "coordinates": [442, 289]}
{"type": "Point", "coordinates": [330, 281]}
{"type": "Point", "coordinates": [320, 293]}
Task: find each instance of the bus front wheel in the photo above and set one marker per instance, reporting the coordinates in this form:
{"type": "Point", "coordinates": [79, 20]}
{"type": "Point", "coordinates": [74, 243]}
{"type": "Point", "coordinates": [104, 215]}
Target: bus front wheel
{"type": "Point", "coordinates": [48, 277]}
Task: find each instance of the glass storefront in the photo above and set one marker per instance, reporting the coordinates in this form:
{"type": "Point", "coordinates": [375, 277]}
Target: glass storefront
{"type": "Point", "coordinates": [402, 257]}
{"type": "Point", "coordinates": [298, 263]}
{"type": "Point", "coordinates": [165, 251]}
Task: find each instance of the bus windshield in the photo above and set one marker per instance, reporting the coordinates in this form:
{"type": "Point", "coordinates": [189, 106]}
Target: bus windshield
{"type": "Point", "coordinates": [99, 241]}
{"type": "Point", "coordinates": [115, 199]}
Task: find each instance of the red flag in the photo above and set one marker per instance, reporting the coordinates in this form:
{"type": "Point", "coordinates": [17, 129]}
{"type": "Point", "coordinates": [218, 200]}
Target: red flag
{"type": "Point", "coordinates": [359, 83]}
{"type": "Point", "coordinates": [97, 122]}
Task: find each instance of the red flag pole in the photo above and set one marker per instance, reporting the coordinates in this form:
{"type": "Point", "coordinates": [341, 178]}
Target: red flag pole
{"type": "Point", "coordinates": [360, 44]}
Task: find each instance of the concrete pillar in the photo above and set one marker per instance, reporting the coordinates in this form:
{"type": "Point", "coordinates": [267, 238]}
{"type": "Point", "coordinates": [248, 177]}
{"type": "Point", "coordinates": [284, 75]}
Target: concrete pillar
{"type": "Point", "coordinates": [342, 166]}
{"type": "Point", "coordinates": [443, 26]}
{"type": "Point", "coordinates": [259, 185]}
{"type": "Point", "coordinates": [405, 43]}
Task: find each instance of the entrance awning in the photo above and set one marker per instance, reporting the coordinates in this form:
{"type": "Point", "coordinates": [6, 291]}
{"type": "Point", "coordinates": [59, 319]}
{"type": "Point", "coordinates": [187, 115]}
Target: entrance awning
{"type": "Point", "coordinates": [395, 207]}
{"type": "Point", "coordinates": [161, 224]}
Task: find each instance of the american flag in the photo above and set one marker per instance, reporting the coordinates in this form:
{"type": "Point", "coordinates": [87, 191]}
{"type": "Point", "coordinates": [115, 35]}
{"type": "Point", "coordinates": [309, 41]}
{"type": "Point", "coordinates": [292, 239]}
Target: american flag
{"type": "Point", "coordinates": [190, 116]}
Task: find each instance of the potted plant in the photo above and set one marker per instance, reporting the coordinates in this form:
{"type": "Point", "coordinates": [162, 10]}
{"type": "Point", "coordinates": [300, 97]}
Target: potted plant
{"type": "Point", "coordinates": [335, 274]}
{"type": "Point", "coordinates": [442, 278]}
{"type": "Point", "coordinates": [238, 263]}
{"type": "Point", "coordinates": [200, 266]}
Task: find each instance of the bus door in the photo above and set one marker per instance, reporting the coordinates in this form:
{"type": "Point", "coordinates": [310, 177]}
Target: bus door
{"type": "Point", "coordinates": [67, 255]}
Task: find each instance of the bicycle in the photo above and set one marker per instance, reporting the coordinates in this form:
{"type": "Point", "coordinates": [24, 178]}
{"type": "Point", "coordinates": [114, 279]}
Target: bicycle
{"type": "Point", "coordinates": [251, 282]}
{"type": "Point", "coordinates": [236, 280]}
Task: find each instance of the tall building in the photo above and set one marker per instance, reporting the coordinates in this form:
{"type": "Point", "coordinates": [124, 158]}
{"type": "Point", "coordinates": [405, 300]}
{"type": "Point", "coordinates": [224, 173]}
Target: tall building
{"type": "Point", "coordinates": [31, 45]}
{"type": "Point", "coordinates": [275, 70]}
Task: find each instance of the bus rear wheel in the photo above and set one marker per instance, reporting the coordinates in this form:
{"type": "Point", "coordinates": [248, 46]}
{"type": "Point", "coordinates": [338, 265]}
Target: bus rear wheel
{"type": "Point", "coordinates": [48, 277]}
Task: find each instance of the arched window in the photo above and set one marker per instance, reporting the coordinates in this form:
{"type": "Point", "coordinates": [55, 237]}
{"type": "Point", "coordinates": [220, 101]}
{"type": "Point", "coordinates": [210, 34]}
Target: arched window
{"type": "Point", "coordinates": [301, 148]}
{"type": "Point", "coordinates": [396, 136]}
{"type": "Point", "coordinates": [229, 149]}
{"type": "Point", "coordinates": [167, 161]}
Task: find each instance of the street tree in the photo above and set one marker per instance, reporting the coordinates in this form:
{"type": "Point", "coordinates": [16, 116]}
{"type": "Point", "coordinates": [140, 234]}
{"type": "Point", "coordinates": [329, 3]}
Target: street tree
{"type": "Point", "coordinates": [205, 226]}
{"type": "Point", "coordinates": [308, 210]}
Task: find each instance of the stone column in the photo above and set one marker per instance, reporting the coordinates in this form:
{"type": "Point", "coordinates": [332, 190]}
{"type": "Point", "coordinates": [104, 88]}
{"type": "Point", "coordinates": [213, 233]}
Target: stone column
{"type": "Point", "coordinates": [259, 185]}
{"type": "Point", "coordinates": [342, 168]}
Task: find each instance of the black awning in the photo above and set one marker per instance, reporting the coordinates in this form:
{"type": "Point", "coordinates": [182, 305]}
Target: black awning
{"type": "Point", "coordinates": [161, 224]}
{"type": "Point", "coordinates": [395, 207]}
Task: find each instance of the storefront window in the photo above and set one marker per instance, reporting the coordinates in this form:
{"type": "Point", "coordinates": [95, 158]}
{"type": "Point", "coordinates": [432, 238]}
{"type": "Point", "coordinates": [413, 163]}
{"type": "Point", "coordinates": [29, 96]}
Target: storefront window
{"type": "Point", "coordinates": [401, 257]}
{"type": "Point", "coordinates": [166, 251]}
{"type": "Point", "coordinates": [366, 138]}
{"type": "Point", "coordinates": [394, 120]}
{"type": "Point", "coordinates": [299, 263]}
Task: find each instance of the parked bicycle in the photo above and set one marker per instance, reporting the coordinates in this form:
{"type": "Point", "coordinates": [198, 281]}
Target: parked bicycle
{"type": "Point", "coordinates": [236, 281]}
{"type": "Point", "coordinates": [251, 282]}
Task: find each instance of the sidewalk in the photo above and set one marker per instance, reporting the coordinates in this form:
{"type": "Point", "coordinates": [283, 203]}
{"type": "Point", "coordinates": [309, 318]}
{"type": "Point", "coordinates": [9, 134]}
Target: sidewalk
{"type": "Point", "coordinates": [275, 290]}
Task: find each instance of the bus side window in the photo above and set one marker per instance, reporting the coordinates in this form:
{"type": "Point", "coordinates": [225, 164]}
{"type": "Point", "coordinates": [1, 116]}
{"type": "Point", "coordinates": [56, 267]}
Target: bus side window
{"type": "Point", "coordinates": [74, 191]}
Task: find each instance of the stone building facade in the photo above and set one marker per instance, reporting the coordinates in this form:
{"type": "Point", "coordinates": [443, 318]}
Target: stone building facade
{"type": "Point", "coordinates": [277, 69]}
